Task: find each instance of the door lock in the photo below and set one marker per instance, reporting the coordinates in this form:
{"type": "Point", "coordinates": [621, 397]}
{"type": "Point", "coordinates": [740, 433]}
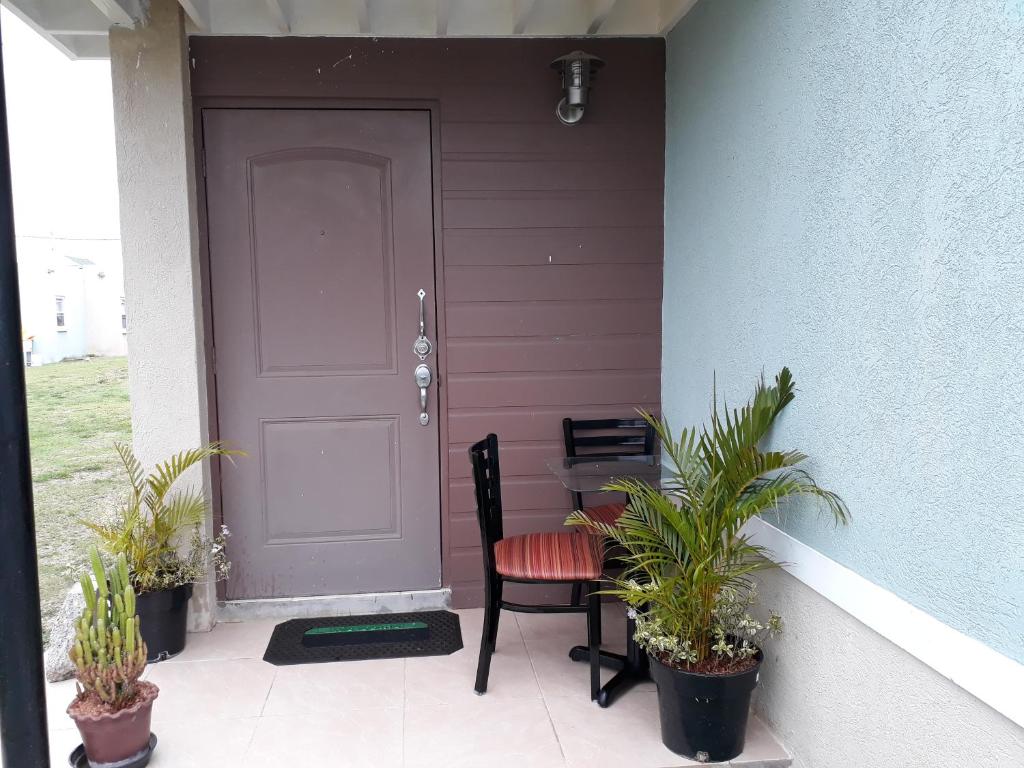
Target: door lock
{"type": "Point", "coordinates": [422, 347]}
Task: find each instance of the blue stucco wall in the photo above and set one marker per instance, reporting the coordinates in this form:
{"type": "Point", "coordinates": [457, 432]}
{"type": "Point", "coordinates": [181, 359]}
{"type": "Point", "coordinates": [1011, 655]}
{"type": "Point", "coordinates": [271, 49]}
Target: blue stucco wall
{"type": "Point", "coordinates": [845, 195]}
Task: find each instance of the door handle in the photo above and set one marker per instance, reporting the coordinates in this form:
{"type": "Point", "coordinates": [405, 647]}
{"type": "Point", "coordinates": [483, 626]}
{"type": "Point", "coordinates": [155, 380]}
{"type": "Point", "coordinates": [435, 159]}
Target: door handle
{"type": "Point", "coordinates": [422, 348]}
{"type": "Point", "coordinates": [423, 378]}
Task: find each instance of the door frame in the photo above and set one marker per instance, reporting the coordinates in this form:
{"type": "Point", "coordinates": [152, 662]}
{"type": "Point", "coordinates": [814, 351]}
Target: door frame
{"type": "Point", "coordinates": [433, 107]}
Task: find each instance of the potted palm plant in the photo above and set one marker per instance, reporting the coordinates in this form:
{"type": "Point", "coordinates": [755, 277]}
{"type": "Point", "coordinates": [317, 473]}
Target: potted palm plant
{"type": "Point", "coordinates": [688, 566]}
{"type": "Point", "coordinates": [113, 707]}
{"type": "Point", "coordinates": [148, 531]}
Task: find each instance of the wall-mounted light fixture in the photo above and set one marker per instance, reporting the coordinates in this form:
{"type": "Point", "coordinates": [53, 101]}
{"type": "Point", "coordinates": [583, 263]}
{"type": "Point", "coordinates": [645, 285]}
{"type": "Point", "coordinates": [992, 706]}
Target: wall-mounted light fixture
{"type": "Point", "coordinates": [577, 69]}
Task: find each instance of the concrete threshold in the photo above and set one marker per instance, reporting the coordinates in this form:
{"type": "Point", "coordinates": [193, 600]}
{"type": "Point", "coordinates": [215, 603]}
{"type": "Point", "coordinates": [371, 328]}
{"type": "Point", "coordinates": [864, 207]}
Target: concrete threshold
{"type": "Point", "coordinates": [333, 605]}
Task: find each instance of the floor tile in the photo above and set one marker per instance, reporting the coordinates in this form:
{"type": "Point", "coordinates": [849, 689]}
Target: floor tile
{"type": "Point", "coordinates": [58, 697]}
{"type": "Point", "coordinates": [510, 733]}
{"type": "Point", "coordinates": [62, 741]}
{"type": "Point", "coordinates": [199, 743]}
{"type": "Point", "coordinates": [232, 640]}
{"type": "Point", "coordinates": [548, 639]}
{"type": "Point", "coordinates": [213, 689]}
{"type": "Point", "coordinates": [761, 749]}
{"type": "Point", "coordinates": [471, 622]}
{"type": "Point", "coordinates": [352, 739]}
{"type": "Point", "coordinates": [450, 679]}
{"type": "Point", "coordinates": [557, 674]}
{"type": "Point", "coordinates": [221, 705]}
{"type": "Point", "coordinates": [202, 743]}
{"type": "Point", "coordinates": [626, 733]}
{"type": "Point", "coordinates": [312, 688]}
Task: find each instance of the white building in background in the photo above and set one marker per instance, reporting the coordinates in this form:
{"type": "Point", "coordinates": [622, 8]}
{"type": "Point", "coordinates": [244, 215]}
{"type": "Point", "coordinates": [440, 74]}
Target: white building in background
{"type": "Point", "coordinates": [64, 176]}
{"type": "Point", "coordinates": [72, 298]}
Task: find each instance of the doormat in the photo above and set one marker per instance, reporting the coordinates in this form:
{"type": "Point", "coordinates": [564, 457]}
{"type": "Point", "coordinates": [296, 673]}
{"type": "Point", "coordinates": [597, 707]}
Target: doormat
{"type": "Point", "coordinates": [354, 638]}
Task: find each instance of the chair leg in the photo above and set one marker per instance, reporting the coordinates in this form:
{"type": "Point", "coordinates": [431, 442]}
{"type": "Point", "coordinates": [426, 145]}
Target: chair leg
{"type": "Point", "coordinates": [594, 636]}
{"type": "Point", "coordinates": [493, 627]}
{"type": "Point", "coordinates": [491, 610]}
{"type": "Point", "coordinates": [577, 594]}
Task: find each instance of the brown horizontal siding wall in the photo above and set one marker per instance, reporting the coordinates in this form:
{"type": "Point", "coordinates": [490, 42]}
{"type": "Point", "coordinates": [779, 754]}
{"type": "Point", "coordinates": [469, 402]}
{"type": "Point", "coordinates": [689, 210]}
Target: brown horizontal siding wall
{"type": "Point", "coordinates": [551, 247]}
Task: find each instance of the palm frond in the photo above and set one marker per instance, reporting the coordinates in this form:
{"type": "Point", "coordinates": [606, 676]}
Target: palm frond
{"type": "Point", "coordinates": [184, 510]}
{"type": "Point", "coordinates": [147, 528]}
{"type": "Point", "coordinates": [166, 473]}
{"type": "Point", "coordinates": [132, 466]}
{"type": "Point", "coordinates": [684, 545]}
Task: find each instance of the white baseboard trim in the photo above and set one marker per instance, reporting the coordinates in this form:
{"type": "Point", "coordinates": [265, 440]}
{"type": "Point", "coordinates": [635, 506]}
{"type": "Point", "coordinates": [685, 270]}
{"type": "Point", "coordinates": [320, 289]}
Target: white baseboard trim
{"type": "Point", "coordinates": [333, 605]}
{"type": "Point", "coordinates": [983, 672]}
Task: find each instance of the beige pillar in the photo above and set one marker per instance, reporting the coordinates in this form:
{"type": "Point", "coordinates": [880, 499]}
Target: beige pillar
{"type": "Point", "coordinates": [159, 237]}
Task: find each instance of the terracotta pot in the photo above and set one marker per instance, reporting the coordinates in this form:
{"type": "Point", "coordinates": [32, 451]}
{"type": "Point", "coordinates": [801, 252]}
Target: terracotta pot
{"type": "Point", "coordinates": [112, 738]}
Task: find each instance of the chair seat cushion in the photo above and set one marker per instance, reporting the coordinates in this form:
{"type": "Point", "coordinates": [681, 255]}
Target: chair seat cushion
{"type": "Point", "coordinates": [608, 514]}
{"type": "Point", "coordinates": [561, 556]}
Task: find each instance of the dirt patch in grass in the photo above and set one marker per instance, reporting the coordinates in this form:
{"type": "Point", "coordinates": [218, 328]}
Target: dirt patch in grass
{"type": "Point", "coordinates": [76, 412]}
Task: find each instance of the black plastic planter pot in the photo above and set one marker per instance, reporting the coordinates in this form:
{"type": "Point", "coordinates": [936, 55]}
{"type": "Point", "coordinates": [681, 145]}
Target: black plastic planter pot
{"type": "Point", "coordinates": [704, 717]}
{"type": "Point", "coordinates": [163, 615]}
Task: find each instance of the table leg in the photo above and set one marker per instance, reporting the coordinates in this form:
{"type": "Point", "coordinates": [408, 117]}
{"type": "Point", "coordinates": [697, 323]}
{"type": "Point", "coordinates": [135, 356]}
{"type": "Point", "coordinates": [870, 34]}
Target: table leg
{"type": "Point", "coordinates": [632, 666]}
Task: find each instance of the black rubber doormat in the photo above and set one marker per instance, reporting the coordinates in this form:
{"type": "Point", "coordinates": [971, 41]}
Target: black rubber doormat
{"type": "Point", "coordinates": [353, 638]}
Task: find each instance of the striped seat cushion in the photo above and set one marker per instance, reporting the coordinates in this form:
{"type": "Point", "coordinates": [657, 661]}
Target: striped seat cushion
{"type": "Point", "coordinates": [608, 514]}
{"type": "Point", "coordinates": [562, 556]}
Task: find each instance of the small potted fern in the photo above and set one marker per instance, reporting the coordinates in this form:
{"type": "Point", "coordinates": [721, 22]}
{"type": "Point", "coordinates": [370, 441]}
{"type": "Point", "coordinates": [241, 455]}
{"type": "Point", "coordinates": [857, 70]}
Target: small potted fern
{"type": "Point", "coordinates": [113, 707]}
{"type": "Point", "coordinates": [689, 565]}
{"type": "Point", "coordinates": [148, 530]}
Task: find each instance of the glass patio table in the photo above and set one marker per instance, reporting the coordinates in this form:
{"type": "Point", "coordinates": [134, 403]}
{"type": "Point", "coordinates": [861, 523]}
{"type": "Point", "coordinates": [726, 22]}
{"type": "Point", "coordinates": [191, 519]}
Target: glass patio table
{"type": "Point", "coordinates": [587, 474]}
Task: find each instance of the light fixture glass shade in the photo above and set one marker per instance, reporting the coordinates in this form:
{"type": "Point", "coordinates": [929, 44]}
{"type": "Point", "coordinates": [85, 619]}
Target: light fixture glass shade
{"type": "Point", "coordinates": [577, 69]}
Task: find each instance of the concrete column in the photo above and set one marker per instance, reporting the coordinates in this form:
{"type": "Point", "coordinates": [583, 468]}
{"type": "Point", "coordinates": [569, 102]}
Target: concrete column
{"type": "Point", "coordinates": [156, 167]}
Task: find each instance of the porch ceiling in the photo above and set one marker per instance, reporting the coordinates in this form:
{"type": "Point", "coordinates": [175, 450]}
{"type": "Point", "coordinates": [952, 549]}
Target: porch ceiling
{"type": "Point", "coordinates": [79, 27]}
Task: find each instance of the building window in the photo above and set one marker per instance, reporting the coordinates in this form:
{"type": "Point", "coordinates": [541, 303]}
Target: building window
{"type": "Point", "coordinates": [60, 311]}
{"type": "Point", "coordinates": [124, 315]}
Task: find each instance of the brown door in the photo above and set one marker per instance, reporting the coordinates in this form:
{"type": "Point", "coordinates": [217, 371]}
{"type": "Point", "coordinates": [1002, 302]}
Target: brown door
{"type": "Point", "coordinates": [321, 236]}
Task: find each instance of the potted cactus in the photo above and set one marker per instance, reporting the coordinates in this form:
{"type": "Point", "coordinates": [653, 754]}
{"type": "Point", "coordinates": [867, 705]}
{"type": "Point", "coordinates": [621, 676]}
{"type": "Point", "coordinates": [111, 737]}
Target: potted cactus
{"type": "Point", "coordinates": [113, 707]}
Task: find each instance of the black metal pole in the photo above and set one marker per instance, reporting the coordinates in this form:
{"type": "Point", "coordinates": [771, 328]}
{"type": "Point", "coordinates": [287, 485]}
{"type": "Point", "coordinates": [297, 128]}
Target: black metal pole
{"type": "Point", "coordinates": [23, 741]}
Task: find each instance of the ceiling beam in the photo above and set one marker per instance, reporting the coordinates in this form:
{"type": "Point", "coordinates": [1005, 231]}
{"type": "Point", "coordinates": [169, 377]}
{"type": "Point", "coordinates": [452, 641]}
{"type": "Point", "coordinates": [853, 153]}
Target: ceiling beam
{"type": "Point", "coordinates": [443, 16]}
{"type": "Point", "coordinates": [279, 16]}
{"type": "Point", "coordinates": [199, 12]}
{"type": "Point", "coordinates": [600, 9]}
{"type": "Point", "coordinates": [121, 13]}
{"type": "Point", "coordinates": [79, 32]}
{"type": "Point", "coordinates": [523, 12]}
{"type": "Point", "coordinates": [84, 47]}
{"type": "Point", "coordinates": [671, 12]}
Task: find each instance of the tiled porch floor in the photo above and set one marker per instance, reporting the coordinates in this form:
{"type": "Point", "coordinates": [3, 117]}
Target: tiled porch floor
{"type": "Point", "coordinates": [221, 705]}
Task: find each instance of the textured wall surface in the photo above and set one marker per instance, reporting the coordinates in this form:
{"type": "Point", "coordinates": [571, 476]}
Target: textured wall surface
{"type": "Point", "coordinates": [159, 240]}
{"type": "Point", "coordinates": [839, 695]}
{"type": "Point", "coordinates": [551, 242]}
{"type": "Point", "coordinates": [844, 187]}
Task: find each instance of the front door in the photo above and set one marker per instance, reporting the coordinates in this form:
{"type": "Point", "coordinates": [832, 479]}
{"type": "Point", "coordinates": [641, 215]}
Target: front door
{"type": "Point", "coordinates": [321, 238]}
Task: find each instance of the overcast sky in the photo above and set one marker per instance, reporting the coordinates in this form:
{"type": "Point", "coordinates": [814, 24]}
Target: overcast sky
{"type": "Point", "coordinates": [60, 122]}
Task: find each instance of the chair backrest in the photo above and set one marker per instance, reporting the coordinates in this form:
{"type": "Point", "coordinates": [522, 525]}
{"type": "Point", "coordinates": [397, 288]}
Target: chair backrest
{"type": "Point", "coordinates": [487, 483]}
{"type": "Point", "coordinates": [602, 438]}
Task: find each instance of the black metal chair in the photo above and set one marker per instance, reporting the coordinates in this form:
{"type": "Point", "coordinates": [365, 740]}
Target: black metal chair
{"type": "Point", "coordinates": [564, 557]}
{"type": "Point", "coordinates": [601, 439]}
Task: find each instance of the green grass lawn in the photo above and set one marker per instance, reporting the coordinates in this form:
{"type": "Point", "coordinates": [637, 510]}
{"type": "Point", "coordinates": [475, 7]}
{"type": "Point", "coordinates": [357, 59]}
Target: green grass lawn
{"type": "Point", "coordinates": [76, 412]}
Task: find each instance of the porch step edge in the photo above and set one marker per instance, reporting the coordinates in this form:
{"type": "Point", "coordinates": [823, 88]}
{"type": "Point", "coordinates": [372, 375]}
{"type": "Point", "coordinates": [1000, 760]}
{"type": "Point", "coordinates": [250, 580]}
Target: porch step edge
{"type": "Point", "coordinates": [333, 605]}
{"type": "Point", "coordinates": [776, 762]}
{"type": "Point", "coordinates": [764, 749]}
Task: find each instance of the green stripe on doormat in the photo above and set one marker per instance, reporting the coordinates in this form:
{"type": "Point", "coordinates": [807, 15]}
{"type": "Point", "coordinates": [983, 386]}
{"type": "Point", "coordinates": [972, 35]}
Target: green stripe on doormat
{"type": "Point", "coordinates": [365, 628]}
